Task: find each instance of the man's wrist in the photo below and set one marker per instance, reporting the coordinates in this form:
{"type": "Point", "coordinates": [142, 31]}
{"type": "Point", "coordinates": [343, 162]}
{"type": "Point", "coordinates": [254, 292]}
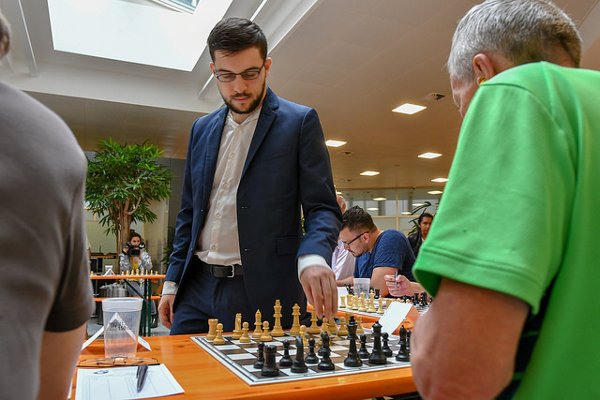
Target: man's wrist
{"type": "Point", "coordinates": [169, 288]}
{"type": "Point", "coordinates": [310, 260]}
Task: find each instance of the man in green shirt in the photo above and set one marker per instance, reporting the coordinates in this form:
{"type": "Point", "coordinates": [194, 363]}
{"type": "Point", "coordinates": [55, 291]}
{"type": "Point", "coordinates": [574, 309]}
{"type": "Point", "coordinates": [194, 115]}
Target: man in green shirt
{"type": "Point", "coordinates": [516, 314]}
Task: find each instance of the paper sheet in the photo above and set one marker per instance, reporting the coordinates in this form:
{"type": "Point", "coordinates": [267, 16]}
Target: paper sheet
{"type": "Point", "coordinates": [119, 383]}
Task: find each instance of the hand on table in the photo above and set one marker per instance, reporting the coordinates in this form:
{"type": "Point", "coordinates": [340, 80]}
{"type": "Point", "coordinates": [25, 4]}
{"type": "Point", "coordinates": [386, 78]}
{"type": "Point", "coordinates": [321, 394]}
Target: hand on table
{"type": "Point", "coordinates": [399, 285]}
{"type": "Point", "coordinates": [321, 291]}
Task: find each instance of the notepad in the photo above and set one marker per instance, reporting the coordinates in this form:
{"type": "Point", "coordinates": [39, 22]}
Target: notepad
{"type": "Point", "coordinates": [120, 383]}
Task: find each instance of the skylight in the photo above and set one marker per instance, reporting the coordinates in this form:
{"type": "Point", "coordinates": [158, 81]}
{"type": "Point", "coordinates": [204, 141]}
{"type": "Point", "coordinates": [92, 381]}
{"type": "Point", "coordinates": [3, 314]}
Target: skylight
{"type": "Point", "coordinates": [136, 32]}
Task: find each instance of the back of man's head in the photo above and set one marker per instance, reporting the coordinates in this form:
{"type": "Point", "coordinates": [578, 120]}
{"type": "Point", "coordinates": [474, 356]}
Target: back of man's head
{"type": "Point", "coordinates": [522, 31]}
{"type": "Point", "coordinates": [357, 219]}
{"type": "Point", "coordinates": [231, 35]}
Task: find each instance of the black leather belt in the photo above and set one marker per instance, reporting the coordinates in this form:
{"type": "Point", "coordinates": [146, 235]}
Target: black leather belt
{"type": "Point", "coordinates": [223, 271]}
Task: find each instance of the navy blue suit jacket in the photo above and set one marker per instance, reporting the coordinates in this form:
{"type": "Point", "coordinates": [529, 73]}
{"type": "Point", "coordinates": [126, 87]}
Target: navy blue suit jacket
{"type": "Point", "coordinates": [287, 168]}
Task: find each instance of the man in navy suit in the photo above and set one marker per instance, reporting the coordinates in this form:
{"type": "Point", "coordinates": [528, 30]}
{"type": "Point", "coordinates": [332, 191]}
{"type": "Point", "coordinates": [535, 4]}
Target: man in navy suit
{"type": "Point", "coordinates": [254, 169]}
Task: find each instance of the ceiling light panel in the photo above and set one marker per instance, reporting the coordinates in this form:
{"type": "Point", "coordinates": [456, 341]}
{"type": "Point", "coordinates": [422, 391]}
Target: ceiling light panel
{"type": "Point", "coordinates": [369, 173]}
{"type": "Point", "coordinates": [429, 155]}
{"type": "Point", "coordinates": [335, 143]}
{"type": "Point", "coordinates": [408, 108]}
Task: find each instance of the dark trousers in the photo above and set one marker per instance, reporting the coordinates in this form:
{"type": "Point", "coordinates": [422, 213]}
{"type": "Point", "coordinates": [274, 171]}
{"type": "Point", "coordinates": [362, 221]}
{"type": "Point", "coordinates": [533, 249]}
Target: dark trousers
{"type": "Point", "coordinates": [203, 296]}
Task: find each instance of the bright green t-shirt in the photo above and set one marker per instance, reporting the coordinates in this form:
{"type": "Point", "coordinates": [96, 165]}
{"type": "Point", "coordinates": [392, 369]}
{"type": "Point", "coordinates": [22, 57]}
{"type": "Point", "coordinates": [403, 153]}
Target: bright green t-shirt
{"type": "Point", "coordinates": [521, 211]}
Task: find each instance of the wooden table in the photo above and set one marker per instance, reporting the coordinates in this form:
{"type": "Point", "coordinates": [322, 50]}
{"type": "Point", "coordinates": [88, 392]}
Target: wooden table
{"type": "Point", "coordinates": [146, 320]}
{"type": "Point", "coordinates": [203, 377]}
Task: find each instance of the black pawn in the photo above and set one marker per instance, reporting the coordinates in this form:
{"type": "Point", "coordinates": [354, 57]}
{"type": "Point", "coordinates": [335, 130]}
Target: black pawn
{"type": "Point", "coordinates": [408, 341]}
{"type": "Point", "coordinates": [403, 354]}
{"type": "Point", "coordinates": [377, 357]}
{"type": "Point", "coordinates": [260, 361]}
{"type": "Point", "coordinates": [311, 358]}
{"type": "Point", "coordinates": [363, 352]}
{"type": "Point", "coordinates": [386, 348]}
{"type": "Point", "coordinates": [321, 350]}
{"type": "Point", "coordinates": [325, 364]}
{"type": "Point", "coordinates": [269, 367]}
{"type": "Point", "coordinates": [299, 366]}
{"type": "Point", "coordinates": [286, 360]}
{"type": "Point", "coordinates": [352, 359]}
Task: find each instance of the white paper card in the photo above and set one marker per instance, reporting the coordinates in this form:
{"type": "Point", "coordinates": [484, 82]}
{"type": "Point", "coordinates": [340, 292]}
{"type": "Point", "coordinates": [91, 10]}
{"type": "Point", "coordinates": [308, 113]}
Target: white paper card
{"type": "Point", "coordinates": [393, 316]}
{"type": "Point", "coordinates": [120, 383]}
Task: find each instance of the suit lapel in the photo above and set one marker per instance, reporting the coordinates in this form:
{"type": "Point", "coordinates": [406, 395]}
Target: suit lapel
{"type": "Point", "coordinates": [213, 143]}
{"type": "Point", "coordinates": [265, 120]}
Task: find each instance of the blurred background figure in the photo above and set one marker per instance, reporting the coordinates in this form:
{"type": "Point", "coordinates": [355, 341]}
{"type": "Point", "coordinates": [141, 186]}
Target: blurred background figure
{"type": "Point", "coordinates": [416, 239]}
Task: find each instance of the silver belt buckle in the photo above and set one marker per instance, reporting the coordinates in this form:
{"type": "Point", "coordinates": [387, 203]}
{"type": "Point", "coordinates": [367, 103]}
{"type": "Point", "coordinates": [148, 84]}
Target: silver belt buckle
{"type": "Point", "coordinates": [232, 272]}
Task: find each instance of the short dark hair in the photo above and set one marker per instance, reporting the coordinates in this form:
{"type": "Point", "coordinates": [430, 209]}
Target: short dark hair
{"type": "Point", "coordinates": [357, 219]}
{"type": "Point", "coordinates": [233, 34]}
{"type": "Point", "coordinates": [135, 234]}
{"type": "Point", "coordinates": [425, 214]}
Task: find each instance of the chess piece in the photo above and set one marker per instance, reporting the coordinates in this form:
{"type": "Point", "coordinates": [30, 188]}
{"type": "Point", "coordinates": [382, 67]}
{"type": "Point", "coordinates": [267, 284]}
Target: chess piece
{"type": "Point", "coordinates": [219, 336]}
{"type": "Point", "coordinates": [277, 329]}
{"type": "Point", "coordinates": [322, 348]}
{"type": "Point", "coordinates": [359, 328]}
{"type": "Point", "coordinates": [343, 329]}
{"type": "Point", "coordinates": [314, 328]}
{"type": "Point", "coordinates": [299, 366]}
{"type": "Point", "coordinates": [325, 364]}
{"type": "Point", "coordinates": [311, 358]}
{"type": "Point", "coordinates": [245, 338]}
{"type": "Point", "coordinates": [363, 352]}
{"type": "Point", "coordinates": [355, 302]}
{"type": "Point", "coordinates": [377, 356]}
{"type": "Point", "coordinates": [352, 359]}
{"type": "Point", "coordinates": [332, 329]}
{"type": "Point", "coordinates": [266, 336]}
{"type": "Point", "coordinates": [371, 307]}
{"type": "Point", "coordinates": [386, 348]}
{"type": "Point", "coordinates": [403, 353]}
{"type": "Point", "coordinates": [304, 335]}
{"type": "Point", "coordinates": [342, 301]}
{"type": "Point", "coordinates": [260, 356]}
{"type": "Point", "coordinates": [258, 325]}
{"type": "Point", "coordinates": [286, 360]}
{"type": "Point", "coordinates": [295, 330]}
{"type": "Point", "coordinates": [361, 303]}
{"type": "Point", "coordinates": [380, 306]}
{"type": "Point", "coordinates": [237, 331]}
{"type": "Point", "coordinates": [324, 325]}
{"type": "Point", "coordinates": [269, 367]}
{"type": "Point", "coordinates": [212, 329]}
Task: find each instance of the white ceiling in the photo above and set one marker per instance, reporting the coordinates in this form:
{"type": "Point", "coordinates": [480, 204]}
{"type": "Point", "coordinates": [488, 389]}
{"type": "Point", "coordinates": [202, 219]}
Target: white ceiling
{"type": "Point", "coordinates": [352, 60]}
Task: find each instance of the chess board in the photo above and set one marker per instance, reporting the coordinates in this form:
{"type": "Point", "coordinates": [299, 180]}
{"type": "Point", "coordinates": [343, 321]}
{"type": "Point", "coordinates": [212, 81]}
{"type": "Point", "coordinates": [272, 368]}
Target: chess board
{"type": "Point", "coordinates": [239, 358]}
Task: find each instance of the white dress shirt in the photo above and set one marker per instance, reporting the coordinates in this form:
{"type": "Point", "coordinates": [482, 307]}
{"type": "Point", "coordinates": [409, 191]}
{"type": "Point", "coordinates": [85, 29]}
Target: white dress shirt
{"type": "Point", "coordinates": [342, 262]}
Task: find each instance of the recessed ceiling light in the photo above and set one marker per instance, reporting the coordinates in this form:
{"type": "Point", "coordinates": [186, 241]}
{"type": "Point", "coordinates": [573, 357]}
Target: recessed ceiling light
{"type": "Point", "coordinates": [440, 180]}
{"type": "Point", "coordinates": [335, 143]}
{"type": "Point", "coordinates": [405, 213]}
{"type": "Point", "coordinates": [418, 204]}
{"type": "Point", "coordinates": [408, 108]}
{"type": "Point", "coordinates": [369, 173]}
{"type": "Point", "coordinates": [372, 209]}
{"type": "Point", "coordinates": [338, 192]}
{"type": "Point", "coordinates": [379, 199]}
{"type": "Point", "coordinates": [429, 155]}
{"type": "Point", "coordinates": [435, 192]}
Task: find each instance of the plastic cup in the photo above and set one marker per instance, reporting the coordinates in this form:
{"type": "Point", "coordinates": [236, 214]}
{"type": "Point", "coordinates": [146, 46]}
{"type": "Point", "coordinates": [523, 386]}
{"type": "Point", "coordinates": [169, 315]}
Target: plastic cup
{"type": "Point", "coordinates": [362, 285]}
{"type": "Point", "coordinates": [121, 326]}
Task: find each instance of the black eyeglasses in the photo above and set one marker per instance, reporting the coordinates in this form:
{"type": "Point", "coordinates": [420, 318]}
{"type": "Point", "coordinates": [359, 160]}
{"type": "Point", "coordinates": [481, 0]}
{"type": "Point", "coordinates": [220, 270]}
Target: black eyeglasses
{"type": "Point", "coordinates": [247, 75]}
{"type": "Point", "coordinates": [350, 242]}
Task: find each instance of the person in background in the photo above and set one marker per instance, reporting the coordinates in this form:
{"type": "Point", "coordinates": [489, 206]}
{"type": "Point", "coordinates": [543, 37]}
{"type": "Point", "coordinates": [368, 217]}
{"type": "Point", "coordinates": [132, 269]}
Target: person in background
{"type": "Point", "coordinates": [342, 261]}
{"type": "Point", "coordinates": [253, 168]}
{"type": "Point", "coordinates": [416, 239]}
{"type": "Point", "coordinates": [46, 293]}
{"type": "Point", "coordinates": [515, 272]}
{"type": "Point", "coordinates": [378, 253]}
{"type": "Point", "coordinates": [134, 258]}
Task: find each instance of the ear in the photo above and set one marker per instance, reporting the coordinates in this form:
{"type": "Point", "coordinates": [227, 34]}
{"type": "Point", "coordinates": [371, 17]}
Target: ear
{"type": "Point", "coordinates": [212, 67]}
{"type": "Point", "coordinates": [483, 67]}
{"type": "Point", "coordinates": [268, 62]}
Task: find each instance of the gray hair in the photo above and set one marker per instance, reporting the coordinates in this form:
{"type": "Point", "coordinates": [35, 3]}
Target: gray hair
{"type": "Point", "coordinates": [4, 35]}
{"type": "Point", "coordinates": [523, 31]}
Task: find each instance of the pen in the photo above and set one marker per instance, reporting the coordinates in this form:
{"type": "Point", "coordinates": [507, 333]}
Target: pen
{"type": "Point", "coordinates": [141, 374]}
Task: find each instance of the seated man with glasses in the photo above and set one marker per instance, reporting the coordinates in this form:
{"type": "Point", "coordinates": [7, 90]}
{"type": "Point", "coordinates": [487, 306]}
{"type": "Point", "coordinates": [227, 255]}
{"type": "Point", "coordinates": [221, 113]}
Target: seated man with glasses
{"type": "Point", "coordinates": [378, 253]}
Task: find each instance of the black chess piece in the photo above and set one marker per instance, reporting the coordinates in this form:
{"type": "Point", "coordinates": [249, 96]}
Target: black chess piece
{"type": "Point", "coordinates": [408, 333]}
{"type": "Point", "coordinates": [260, 360]}
{"type": "Point", "coordinates": [321, 351]}
{"type": "Point", "coordinates": [363, 352]}
{"type": "Point", "coordinates": [423, 300]}
{"type": "Point", "coordinates": [377, 357]}
{"type": "Point", "coordinates": [269, 367]}
{"type": "Point", "coordinates": [311, 357]}
{"type": "Point", "coordinates": [352, 359]}
{"type": "Point", "coordinates": [286, 360]}
{"type": "Point", "coordinates": [350, 289]}
{"type": "Point", "coordinates": [386, 348]}
{"type": "Point", "coordinates": [415, 299]}
{"type": "Point", "coordinates": [403, 354]}
{"type": "Point", "coordinates": [299, 366]}
{"type": "Point", "coordinates": [325, 364]}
